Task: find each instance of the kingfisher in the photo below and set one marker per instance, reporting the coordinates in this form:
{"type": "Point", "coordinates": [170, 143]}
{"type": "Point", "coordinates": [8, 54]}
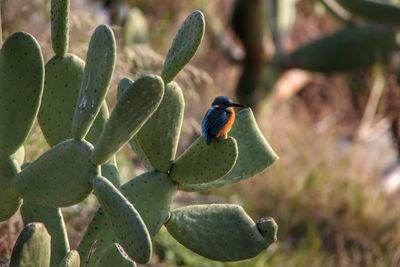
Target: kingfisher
{"type": "Point", "coordinates": [219, 118]}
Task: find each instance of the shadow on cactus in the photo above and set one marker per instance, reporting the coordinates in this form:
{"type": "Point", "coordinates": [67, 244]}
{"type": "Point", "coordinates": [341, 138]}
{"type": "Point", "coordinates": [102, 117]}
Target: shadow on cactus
{"type": "Point", "coordinates": [74, 118]}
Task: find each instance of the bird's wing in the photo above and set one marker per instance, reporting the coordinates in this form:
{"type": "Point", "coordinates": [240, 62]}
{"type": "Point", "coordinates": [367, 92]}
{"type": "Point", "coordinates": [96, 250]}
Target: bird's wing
{"type": "Point", "coordinates": [214, 121]}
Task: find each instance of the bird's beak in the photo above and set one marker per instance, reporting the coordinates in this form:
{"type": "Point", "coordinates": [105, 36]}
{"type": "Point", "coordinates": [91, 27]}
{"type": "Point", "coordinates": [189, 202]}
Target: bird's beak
{"type": "Point", "coordinates": [236, 105]}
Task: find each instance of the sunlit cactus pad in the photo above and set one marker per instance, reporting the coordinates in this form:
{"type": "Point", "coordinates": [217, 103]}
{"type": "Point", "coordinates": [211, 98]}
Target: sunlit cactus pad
{"type": "Point", "coordinates": [220, 232]}
{"type": "Point", "coordinates": [63, 175]}
{"type": "Point", "coordinates": [21, 86]}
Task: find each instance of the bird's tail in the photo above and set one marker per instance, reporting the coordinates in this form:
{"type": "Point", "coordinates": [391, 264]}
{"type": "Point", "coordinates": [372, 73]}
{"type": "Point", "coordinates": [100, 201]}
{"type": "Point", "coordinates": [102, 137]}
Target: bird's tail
{"type": "Point", "coordinates": [208, 139]}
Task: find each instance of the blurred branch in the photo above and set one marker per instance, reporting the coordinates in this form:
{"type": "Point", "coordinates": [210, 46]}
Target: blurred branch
{"type": "Point", "coordinates": [337, 11]}
{"type": "Point", "coordinates": [248, 23]}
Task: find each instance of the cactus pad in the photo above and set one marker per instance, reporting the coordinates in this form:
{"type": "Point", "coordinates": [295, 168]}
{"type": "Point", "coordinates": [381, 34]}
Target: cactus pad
{"type": "Point", "coordinates": [60, 26]}
{"type": "Point", "coordinates": [61, 89]}
{"type": "Point", "coordinates": [99, 67]}
{"type": "Point", "coordinates": [63, 175]}
{"type": "Point", "coordinates": [159, 137]}
{"type": "Point", "coordinates": [255, 154]}
{"type": "Point", "coordinates": [347, 49]}
{"type": "Point", "coordinates": [184, 45]}
{"type": "Point", "coordinates": [136, 106]}
{"type": "Point", "coordinates": [110, 171]}
{"type": "Point", "coordinates": [123, 85]}
{"type": "Point", "coordinates": [21, 86]}
{"type": "Point", "coordinates": [114, 255]}
{"type": "Point", "coordinates": [72, 259]}
{"type": "Point", "coordinates": [135, 29]}
{"type": "Point", "coordinates": [220, 232]}
{"type": "Point", "coordinates": [379, 11]}
{"type": "Point", "coordinates": [32, 247]}
{"type": "Point", "coordinates": [10, 202]}
{"type": "Point", "coordinates": [99, 230]}
{"type": "Point", "coordinates": [52, 218]}
{"type": "Point", "coordinates": [202, 163]}
{"type": "Point", "coordinates": [128, 226]}
{"type": "Point", "coordinates": [152, 195]}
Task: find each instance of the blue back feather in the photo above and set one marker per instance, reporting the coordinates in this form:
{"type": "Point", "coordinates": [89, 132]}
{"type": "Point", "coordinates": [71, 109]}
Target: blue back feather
{"type": "Point", "coordinates": [214, 120]}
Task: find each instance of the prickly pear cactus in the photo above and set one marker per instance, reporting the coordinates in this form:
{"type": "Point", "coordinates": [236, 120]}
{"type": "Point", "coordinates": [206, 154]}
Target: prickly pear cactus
{"type": "Point", "coordinates": [32, 247]}
{"type": "Point", "coordinates": [84, 139]}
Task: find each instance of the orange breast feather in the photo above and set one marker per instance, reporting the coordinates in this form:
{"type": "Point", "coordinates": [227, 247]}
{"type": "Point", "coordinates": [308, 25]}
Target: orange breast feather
{"type": "Point", "coordinates": [229, 124]}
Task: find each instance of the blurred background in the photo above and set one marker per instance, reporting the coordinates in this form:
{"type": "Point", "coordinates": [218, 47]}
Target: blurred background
{"type": "Point", "coordinates": [322, 78]}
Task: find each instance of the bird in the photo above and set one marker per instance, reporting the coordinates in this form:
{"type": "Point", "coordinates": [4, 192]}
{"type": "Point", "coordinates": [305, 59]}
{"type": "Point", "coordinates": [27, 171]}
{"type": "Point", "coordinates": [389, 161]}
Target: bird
{"type": "Point", "coordinates": [219, 118]}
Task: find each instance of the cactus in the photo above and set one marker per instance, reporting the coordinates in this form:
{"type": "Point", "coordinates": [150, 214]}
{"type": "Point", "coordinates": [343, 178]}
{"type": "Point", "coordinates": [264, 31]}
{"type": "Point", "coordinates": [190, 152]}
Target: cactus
{"type": "Point", "coordinates": [379, 11]}
{"type": "Point", "coordinates": [21, 86]}
{"type": "Point", "coordinates": [203, 163]}
{"type": "Point", "coordinates": [219, 231]}
{"type": "Point", "coordinates": [114, 255]}
{"type": "Point", "coordinates": [128, 226]}
{"type": "Point", "coordinates": [32, 247]}
{"type": "Point", "coordinates": [72, 259]}
{"type": "Point", "coordinates": [59, 26]}
{"type": "Point", "coordinates": [53, 220]}
{"type": "Point", "coordinates": [63, 78]}
{"type": "Point", "coordinates": [347, 49]}
{"type": "Point", "coordinates": [99, 67]}
{"type": "Point", "coordinates": [10, 201]}
{"type": "Point", "coordinates": [184, 45]}
{"type": "Point", "coordinates": [250, 142]}
{"type": "Point", "coordinates": [142, 99]}
{"type": "Point", "coordinates": [64, 168]}
{"type": "Point", "coordinates": [148, 114]}
{"type": "Point", "coordinates": [165, 122]}
{"type": "Point", "coordinates": [135, 29]}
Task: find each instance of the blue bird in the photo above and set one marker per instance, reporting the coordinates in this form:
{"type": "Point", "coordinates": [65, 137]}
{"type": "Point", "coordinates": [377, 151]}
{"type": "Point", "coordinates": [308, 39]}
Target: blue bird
{"type": "Point", "coordinates": [219, 118]}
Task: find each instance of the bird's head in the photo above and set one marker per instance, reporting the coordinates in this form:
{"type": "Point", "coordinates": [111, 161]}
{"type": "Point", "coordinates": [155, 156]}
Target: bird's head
{"type": "Point", "coordinates": [224, 102]}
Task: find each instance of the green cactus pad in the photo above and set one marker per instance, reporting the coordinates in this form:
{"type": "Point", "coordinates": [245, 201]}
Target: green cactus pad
{"type": "Point", "coordinates": [159, 137]}
{"type": "Point", "coordinates": [220, 232]}
{"type": "Point", "coordinates": [202, 163]}
{"type": "Point", "coordinates": [138, 103]}
{"type": "Point", "coordinates": [123, 85]}
{"type": "Point", "coordinates": [10, 202]}
{"type": "Point", "coordinates": [61, 89]}
{"type": "Point", "coordinates": [99, 230]}
{"type": "Point", "coordinates": [53, 219]}
{"type": "Point", "coordinates": [60, 26]}
{"type": "Point", "coordinates": [99, 124]}
{"type": "Point", "coordinates": [184, 45]}
{"type": "Point", "coordinates": [110, 171]}
{"type": "Point", "coordinates": [114, 255]}
{"type": "Point", "coordinates": [21, 86]}
{"type": "Point", "coordinates": [63, 175]}
{"type": "Point", "coordinates": [268, 228]}
{"type": "Point", "coordinates": [72, 259]}
{"type": "Point", "coordinates": [32, 248]}
{"type": "Point", "coordinates": [347, 49]}
{"type": "Point", "coordinates": [255, 154]}
{"type": "Point", "coordinates": [100, 61]}
{"type": "Point", "coordinates": [379, 11]}
{"type": "Point", "coordinates": [135, 29]}
{"type": "Point", "coordinates": [19, 156]}
{"type": "Point", "coordinates": [128, 226]}
{"type": "Point", "coordinates": [152, 195]}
